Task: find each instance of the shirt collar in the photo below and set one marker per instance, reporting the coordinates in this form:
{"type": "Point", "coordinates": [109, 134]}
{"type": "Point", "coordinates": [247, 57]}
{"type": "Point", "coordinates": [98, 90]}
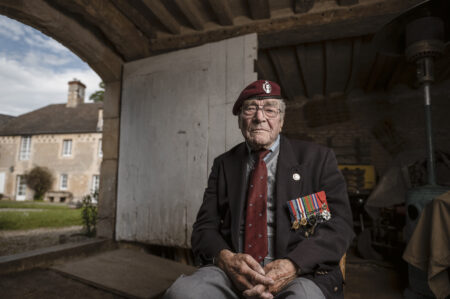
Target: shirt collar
{"type": "Point", "coordinates": [274, 146]}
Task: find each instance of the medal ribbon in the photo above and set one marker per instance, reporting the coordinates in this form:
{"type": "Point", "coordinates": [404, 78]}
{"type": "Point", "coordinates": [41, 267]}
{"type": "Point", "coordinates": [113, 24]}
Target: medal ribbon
{"type": "Point", "coordinates": [303, 208]}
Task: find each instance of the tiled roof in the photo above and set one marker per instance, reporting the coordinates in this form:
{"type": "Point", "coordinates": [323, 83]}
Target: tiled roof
{"type": "Point", "coordinates": [4, 118]}
{"type": "Point", "coordinates": [54, 119]}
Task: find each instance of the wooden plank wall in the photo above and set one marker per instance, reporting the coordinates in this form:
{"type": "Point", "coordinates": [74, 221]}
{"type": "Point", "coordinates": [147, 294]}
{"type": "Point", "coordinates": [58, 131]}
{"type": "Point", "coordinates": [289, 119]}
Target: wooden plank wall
{"type": "Point", "coordinates": [175, 119]}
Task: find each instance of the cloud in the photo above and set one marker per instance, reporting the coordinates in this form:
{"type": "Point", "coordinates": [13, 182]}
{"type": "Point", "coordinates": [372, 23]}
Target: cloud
{"type": "Point", "coordinates": [38, 40]}
{"type": "Point", "coordinates": [16, 31]}
{"type": "Point", "coordinates": [26, 88]}
{"type": "Point", "coordinates": [39, 60]}
{"type": "Point", "coordinates": [11, 29]}
{"type": "Point", "coordinates": [35, 69]}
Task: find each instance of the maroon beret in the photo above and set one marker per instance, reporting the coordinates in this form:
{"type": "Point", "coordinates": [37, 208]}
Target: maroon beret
{"type": "Point", "coordinates": [261, 89]}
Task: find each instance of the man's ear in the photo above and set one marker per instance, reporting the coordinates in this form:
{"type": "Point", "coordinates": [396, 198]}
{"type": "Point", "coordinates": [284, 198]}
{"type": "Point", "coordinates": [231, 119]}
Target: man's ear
{"type": "Point", "coordinates": [239, 122]}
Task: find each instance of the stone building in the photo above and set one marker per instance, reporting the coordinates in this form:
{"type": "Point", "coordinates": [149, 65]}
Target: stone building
{"type": "Point", "coordinates": [65, 138]}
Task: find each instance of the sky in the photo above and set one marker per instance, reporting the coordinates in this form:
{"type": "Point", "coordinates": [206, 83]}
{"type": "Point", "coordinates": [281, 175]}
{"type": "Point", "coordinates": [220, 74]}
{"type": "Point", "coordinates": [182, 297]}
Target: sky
{"type": "Point", "coordinates": [35, 69]}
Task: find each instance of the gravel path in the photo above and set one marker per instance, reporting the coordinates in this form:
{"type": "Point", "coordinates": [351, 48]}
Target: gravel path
{"type": "Point", "coordinates": [16, 241]}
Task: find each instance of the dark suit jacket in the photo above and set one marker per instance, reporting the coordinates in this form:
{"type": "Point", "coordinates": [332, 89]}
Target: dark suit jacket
{"type": "Point", "coordinates": [220, 215]}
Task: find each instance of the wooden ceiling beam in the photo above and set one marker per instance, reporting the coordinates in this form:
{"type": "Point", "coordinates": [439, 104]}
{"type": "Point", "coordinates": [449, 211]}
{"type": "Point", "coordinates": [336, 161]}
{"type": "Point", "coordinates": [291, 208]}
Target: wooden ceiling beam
{"type": "Point", "coordinates": [302, 28]}
{"type": "Point", "coordinates": [302, 6]}
{"type": "Point", "coordinates": [135, 16]}
{"type": "Point", "coordinates": [223, 11]}
{"type": "Point", "coordinates": [347, 2]}
{"type": "Point", "coordinates": [163, 15]}
{"type": "Point", "coordinates": [259, 9]}
{"type": "Point", "coordinates": [106, 18]}
{"type": "Point", "coordinates": [191, 13]}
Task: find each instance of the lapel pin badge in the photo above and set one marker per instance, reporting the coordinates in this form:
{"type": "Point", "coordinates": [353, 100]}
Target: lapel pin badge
{"type": "Point", "coordinates": [296, 177]}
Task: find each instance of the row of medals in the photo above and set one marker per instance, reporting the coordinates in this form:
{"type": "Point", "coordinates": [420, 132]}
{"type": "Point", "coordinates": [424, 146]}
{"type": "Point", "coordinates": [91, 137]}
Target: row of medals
{"type": "Point", "coordinates": [313, 219]}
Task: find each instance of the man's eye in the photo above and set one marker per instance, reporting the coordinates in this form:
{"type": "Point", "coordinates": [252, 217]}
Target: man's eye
{"type": "Point", "coordinates": [250, 109]}
{"type": "Point", "coordinates": [270, 110]}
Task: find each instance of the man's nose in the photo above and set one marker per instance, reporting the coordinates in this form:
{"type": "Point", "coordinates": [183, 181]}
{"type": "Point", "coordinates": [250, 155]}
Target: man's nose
{"type": "Point", "coordinates": [259, 116]}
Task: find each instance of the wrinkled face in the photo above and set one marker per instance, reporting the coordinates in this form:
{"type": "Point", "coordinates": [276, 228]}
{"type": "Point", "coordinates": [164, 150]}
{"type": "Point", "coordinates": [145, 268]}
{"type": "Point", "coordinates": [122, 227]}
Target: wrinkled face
{"type": "Point", "coordinates": [261, 129]}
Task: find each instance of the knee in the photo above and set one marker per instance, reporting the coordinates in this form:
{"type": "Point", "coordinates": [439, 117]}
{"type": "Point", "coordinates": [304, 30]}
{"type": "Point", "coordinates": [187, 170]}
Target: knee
{"type": "Point", "coordinates": [207, 282]}
{"type": "Point", "coordinates": [176, 289]}
{"type": "Point", "coordinates": [182, 288]}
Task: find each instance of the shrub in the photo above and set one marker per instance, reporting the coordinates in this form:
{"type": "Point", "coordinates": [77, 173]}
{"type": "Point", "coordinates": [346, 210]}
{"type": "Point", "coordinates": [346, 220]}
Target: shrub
{"type": "Point", "coordinates": [89, 213]}
{"type": "Point", "coordinates": [40, 180]}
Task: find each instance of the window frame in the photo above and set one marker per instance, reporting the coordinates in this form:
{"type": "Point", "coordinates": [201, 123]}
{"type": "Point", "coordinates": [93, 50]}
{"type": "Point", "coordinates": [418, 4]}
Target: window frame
{"type": "Point", "coordinates": [25, 148]}
{"type": "Point", "coordinates": [21, 185]}
{"type": "Point", "coordinates": [100, 151]}
{"type": "Point", "coordinates": [95, 183]}
{"type": "Point", "coordinates": [63, 178]}
{"type": "Point", "coordinates": [67, 151]}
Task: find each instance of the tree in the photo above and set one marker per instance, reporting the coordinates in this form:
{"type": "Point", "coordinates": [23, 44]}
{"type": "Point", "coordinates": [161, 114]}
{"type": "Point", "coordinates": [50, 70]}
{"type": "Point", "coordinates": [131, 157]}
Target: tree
{"type": "Point", "coordinates": [98, 95]}
{"type": "Point", "coordinates": [40, 180]}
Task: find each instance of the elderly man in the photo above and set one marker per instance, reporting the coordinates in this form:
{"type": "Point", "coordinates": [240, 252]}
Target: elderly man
{"type": "Point", "coordinates": [275, 218]}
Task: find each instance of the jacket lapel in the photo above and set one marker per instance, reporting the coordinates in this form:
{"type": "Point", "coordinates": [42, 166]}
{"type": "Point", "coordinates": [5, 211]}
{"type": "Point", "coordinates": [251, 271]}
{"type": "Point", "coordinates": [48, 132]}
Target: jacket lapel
{"type": "Point", "coordinates": [287, 188]}
{"type": "Point", "coordinates": [234, 166]}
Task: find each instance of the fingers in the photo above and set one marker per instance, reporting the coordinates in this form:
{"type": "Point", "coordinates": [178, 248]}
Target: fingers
{"type": "Point", "coordinates": [258, 291]}
{"type": "Point", "coordinates": [253, 264]}
{"type": "Point", "coordinates": [241, 282]}
{"type": "Point", "coordinates": [255, 277]}
{"type": "Point", "coordinates": [252, 270]}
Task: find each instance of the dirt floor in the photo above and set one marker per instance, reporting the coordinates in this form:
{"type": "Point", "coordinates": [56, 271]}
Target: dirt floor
{"type": "Point", "coordinates": [364, 280]}
{"type": "Point", "coordinates": [17, 241]}
{"type": "Point", "coordinates": [47, 284]}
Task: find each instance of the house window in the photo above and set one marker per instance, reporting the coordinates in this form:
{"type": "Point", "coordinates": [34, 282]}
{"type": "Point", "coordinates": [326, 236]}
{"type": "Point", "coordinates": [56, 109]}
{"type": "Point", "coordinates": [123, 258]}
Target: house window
{"type": "Point", "coordinates": [100, 152]}
{"type": "Point", "coordinates": [21, 188]}
{"type": "Point", "coordinates": [95, 183]}
{"type": "Point", "coordinates": [67, 148]}
{"type": "Point", "coordinates": [63, 182]}
{"type": "Point", "coordinates": [25, 148]}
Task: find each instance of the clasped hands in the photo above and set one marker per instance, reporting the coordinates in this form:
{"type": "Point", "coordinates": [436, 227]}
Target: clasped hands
{"type": "Point", "coordinates": [253, 280]}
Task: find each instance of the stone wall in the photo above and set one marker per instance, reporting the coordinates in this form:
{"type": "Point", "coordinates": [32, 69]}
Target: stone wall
{"type": "Point", "coordinates": [109, 168]}
{"type": "Point", "coordinates": [46, 151]}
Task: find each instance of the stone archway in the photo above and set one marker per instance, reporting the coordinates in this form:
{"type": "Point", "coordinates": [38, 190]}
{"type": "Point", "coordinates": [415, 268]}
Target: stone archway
{"type": "Point", "coordinates": [108, 65]}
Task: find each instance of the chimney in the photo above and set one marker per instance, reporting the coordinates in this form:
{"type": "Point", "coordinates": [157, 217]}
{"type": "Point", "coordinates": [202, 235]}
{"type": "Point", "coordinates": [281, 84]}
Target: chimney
{"type": "Point", "coordinates": [76, 93]}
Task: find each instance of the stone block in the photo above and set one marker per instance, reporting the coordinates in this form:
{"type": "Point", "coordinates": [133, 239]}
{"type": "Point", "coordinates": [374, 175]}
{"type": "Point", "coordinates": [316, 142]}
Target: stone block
{"type": "Point", "coordinates": [106, 228]}
{"type": "Point", "coordinates": [110, 143]}
{"type": "Point", "coordinates": [111, 99]}
{"type": "Point", "coordinates": [107, 199]}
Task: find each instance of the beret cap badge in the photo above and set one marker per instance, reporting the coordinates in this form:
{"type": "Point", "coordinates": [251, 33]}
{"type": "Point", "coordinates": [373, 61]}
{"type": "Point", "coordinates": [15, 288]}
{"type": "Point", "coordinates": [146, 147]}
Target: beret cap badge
{"type": "Point", "coordinates": [267, 87]}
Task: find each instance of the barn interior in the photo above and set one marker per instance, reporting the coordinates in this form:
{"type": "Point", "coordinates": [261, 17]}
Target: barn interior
{"type": "Point", "coordinates": [344, 72]}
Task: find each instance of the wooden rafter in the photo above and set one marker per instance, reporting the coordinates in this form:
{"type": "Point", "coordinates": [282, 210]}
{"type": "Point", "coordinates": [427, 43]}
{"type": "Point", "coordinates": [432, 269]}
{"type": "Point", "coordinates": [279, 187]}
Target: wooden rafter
{"type": "Point", "coordinates": [135, 16]}
{"type": "Point", "coordinates": [112, 24]}
{"type": "Point", "coordinates": [347, 2]}
{"type": "Point", "coordinates": [259, 9]}
{"type": "Point", "coordinates": [191, 13]}
{"type": "Point", "coordinates": [163, 15]}
{"type": "Point", "coordinates": [223, 12]}
{"type": "Point", "coordinates": [302, 6]}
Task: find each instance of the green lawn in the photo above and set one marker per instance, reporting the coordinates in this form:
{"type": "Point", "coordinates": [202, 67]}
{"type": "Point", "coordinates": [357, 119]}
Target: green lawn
{"type": "Point", "coordinates": [36, 215]}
